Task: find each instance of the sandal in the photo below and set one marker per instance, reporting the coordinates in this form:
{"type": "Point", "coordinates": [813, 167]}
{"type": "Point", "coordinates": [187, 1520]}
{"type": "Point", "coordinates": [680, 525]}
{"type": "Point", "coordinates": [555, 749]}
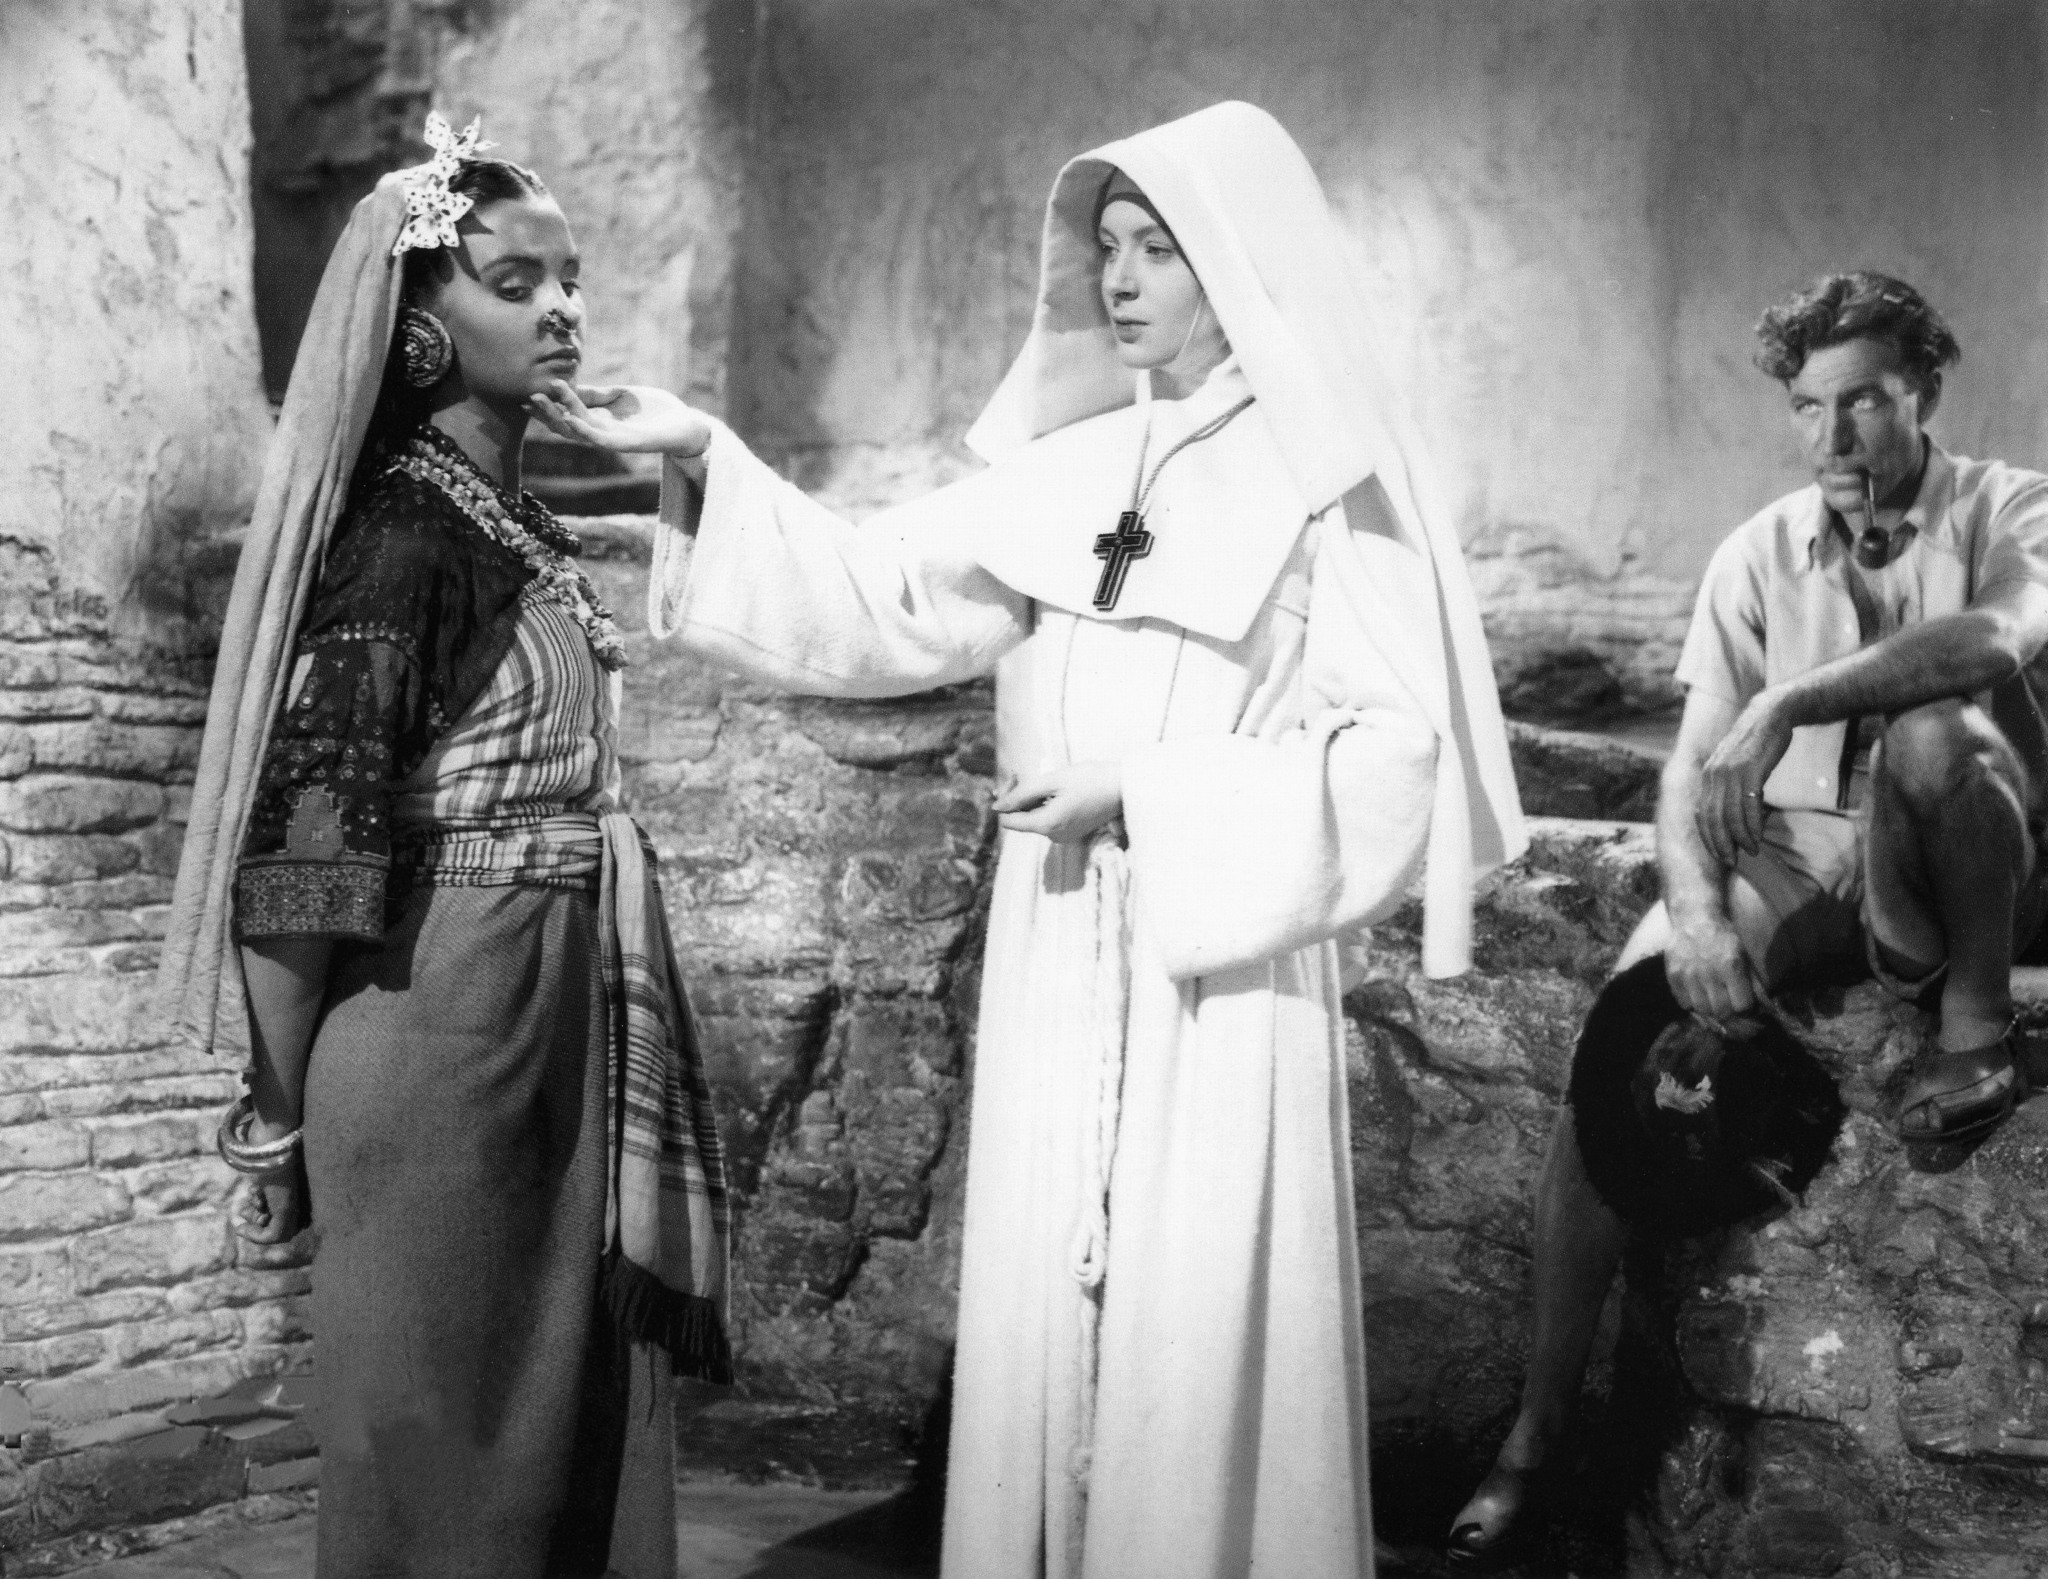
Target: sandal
{"type": "Point", "coordinates": [1517, 1496]}
{"type": "Point", "coordinates": [1962, 1095]}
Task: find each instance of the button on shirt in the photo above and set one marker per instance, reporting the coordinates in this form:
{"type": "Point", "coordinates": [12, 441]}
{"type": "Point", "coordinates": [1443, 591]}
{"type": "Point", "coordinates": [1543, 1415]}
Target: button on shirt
{"type": "Point", "coordinates": [1775, 604]}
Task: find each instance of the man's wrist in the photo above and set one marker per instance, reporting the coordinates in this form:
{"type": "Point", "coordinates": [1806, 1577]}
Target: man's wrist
{"type": "Point", "coordinates": [1788, 705]}
{"type": "Point", "coordinates": [1701, 913]}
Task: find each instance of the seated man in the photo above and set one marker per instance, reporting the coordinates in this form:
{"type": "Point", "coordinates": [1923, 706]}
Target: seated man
{"type": "Point", "coordinates": [1859, 776]}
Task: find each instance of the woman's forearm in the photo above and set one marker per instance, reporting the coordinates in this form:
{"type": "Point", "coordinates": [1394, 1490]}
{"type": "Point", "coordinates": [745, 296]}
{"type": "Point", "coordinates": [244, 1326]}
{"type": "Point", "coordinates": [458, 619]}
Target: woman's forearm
{"type": "Point", "coordinates": [287, 984]}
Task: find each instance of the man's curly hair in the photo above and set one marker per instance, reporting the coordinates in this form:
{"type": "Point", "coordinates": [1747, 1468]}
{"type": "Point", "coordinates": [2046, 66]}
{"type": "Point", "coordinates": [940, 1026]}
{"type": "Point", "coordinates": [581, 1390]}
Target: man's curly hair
{"type": "Point", "coordinates": [1858, 305]}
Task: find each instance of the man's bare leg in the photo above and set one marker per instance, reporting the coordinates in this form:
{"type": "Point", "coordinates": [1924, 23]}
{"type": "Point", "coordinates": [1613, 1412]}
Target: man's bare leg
{"type": "Point", "coordinates": [1948, 850]}
{"type": "Point", "coordinates": [1575, 1253]}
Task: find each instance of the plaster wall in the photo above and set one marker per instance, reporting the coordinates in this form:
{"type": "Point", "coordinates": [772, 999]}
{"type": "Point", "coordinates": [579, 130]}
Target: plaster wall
{"type": "Point", "coordinates": [125, 473]}
{"type": "Point", "coordinates": [126, 252]}
{"type": "Point", "coordinates": [632, 111]}
{"type": "Point", "coordinates": [632, 117]}
{"type": "Point", "coordinates": [1569, 217]}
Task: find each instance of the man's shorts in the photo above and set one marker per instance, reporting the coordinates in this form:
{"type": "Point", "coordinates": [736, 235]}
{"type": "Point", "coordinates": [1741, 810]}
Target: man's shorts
{"type": "Point", "coordinates": [1808, 873]}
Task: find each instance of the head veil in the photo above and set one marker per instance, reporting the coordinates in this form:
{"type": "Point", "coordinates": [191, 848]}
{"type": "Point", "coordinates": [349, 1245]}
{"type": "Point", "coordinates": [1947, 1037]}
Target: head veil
{"type": "Point", "coordinates": [327, 410]}
{"type": "Point", "coordinates": [1251, 216]}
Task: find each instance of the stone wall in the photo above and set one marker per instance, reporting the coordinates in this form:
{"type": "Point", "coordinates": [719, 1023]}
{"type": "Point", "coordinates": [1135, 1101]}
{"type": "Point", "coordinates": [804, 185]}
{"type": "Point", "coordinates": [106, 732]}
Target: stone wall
{"type": "Point", "coordinates": [826, 869]}
{"type": "Point", "coordinates": [1569, 217]}
{"type": "Point", "coordinates": [125, 236]}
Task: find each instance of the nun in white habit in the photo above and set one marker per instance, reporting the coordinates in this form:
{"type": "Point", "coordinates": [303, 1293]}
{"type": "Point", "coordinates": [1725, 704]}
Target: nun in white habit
{"type": "Point", "coordinates": [1246, 702]}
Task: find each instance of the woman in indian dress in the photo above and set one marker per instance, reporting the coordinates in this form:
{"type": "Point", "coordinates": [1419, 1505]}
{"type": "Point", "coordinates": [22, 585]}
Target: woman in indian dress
{"type": "Point", "coordinates": [409, 891]}
{"type": "Point", "coordinates": [1244, 703]}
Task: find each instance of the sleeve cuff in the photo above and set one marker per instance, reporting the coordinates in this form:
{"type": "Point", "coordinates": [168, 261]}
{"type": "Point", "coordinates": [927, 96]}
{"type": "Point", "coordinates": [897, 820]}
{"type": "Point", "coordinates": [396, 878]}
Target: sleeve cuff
{"type": "Point", "coordinates": [331, 899]}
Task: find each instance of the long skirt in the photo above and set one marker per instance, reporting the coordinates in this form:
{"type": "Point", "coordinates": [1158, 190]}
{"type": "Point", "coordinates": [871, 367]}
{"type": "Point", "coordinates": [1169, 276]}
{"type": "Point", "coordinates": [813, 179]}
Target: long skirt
{"type": "Point", "coordinates": [478, 1416]}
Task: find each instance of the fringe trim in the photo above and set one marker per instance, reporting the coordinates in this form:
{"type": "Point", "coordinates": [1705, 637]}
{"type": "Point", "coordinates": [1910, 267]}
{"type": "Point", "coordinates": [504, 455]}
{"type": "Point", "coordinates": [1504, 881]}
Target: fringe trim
{"type": "Point", "coordinates": [646, 1310]}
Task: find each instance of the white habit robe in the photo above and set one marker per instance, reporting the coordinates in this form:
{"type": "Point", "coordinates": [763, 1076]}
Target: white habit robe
{"type": "Point", "coordinates": [1280, 764]}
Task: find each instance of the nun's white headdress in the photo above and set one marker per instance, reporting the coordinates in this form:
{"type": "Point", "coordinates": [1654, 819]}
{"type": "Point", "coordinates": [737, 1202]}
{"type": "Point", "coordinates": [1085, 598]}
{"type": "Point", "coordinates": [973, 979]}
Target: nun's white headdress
{"type": "Point", "coordinates": [1252, 219]}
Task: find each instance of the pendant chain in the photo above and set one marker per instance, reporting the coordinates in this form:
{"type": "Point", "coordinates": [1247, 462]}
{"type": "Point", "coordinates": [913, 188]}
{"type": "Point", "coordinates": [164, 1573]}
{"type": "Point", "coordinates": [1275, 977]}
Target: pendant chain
{"type": "Point", "coordinates": [1208, 429]}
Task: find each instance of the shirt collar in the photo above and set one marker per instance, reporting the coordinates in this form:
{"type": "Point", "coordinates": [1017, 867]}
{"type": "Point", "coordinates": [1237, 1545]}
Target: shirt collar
{"type": "Point", "coordinates": [1929, 515]}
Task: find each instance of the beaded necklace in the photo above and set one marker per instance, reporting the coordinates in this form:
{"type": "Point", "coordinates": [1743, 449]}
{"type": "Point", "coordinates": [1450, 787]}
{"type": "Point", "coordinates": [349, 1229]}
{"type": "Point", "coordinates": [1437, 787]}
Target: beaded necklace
{"type": "Point", "coordinates": [527, 527]}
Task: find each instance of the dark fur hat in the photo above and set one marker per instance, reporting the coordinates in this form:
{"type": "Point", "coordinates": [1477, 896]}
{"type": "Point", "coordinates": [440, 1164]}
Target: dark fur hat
{"type": "Point", "coordinates": [1686, 1127]}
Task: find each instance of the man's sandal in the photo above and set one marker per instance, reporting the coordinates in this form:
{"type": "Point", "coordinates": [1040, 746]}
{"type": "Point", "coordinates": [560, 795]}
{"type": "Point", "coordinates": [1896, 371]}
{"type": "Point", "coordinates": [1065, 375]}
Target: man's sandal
{"type": "Point", "coordinates": [1963, 1095]}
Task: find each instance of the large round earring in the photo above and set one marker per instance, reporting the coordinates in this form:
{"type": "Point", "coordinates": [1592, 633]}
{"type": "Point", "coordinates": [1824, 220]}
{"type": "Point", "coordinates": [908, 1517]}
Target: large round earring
{"type": "Point", "coordinates": [425, 352]}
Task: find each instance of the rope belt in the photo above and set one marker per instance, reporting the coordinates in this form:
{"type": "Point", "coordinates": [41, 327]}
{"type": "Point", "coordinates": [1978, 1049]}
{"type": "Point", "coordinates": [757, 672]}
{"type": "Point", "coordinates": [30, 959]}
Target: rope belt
{"type": "Point", "coordinates": [1105, 1016]}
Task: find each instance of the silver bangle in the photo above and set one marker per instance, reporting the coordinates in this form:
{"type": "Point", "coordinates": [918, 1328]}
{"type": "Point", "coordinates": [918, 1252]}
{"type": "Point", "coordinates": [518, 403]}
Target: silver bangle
{"type": "Point", "coordinates": [253, 1157]}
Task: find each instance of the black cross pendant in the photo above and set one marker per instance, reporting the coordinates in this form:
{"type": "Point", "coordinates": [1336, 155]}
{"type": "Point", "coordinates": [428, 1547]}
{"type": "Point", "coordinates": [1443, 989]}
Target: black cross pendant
{"type": "Point", "coordinates": [1116, 550]}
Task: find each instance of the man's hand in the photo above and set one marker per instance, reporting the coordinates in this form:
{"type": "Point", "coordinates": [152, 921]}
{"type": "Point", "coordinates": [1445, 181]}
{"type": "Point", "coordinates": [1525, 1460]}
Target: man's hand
{"type": "Point", "coordinates": [1708, 972]}
{"type": "Point", "coordinates": [1730, 809]}
{"type": "Point", "coordinates": [624, 418]}
{"type": "Point", "coordinates": [1066, 803]}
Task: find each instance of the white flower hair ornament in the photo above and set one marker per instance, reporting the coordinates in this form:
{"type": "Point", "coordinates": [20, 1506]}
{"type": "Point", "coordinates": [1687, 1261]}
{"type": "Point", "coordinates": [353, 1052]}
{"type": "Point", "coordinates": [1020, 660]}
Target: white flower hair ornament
{"type": "Point", "coordinates": [431, 209]}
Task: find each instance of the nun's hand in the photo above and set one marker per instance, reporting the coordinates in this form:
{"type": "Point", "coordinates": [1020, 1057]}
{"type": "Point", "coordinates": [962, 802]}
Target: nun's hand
{"type": "Point", "coordinates": [628, 418]}
{"type": "Point", "coordinates": [1066, 803]}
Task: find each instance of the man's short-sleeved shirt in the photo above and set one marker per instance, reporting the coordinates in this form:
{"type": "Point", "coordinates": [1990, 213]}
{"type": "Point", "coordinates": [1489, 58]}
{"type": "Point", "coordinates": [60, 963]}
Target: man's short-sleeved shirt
{"type": "Point", "coordinates": [1776, 603]}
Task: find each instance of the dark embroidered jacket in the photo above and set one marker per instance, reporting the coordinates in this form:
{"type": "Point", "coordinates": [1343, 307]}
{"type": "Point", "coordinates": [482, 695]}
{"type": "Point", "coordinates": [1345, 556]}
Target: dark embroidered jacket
{"type": "Point", "coordinates": [415, 608]}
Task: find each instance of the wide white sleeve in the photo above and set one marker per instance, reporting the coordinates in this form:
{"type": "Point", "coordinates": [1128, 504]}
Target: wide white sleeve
{"type": "Point", "coordinates": [1243, 849]}
{"type": "Point", "coordinates": [781, 589]}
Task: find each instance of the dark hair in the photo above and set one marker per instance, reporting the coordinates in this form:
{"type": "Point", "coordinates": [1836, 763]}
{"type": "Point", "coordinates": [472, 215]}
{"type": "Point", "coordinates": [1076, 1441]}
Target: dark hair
{"type": "Point", "coordinates": [1670, 1152]}
{"type": "Point", "coordinates": [487, 181]}
{"type": "Point", "coordinates": [1858, 305]}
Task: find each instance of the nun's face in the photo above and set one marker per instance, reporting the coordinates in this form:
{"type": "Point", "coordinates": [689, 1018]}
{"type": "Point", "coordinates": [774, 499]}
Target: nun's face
{"type": "Point", "coordinates": [1154, 301]}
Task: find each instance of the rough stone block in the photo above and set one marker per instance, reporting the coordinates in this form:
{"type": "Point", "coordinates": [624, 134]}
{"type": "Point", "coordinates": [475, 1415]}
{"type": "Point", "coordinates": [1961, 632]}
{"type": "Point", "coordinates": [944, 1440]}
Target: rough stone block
{"type": "Point", "coordinates": [72, 1401]}
{"type": "Point", "coordinates": [71, 857]}
{"type": "Point", "coordinates": [171, 1091]}
{"type": "Point", "coordinates": [40, 1206]}
{"type": "Point", "coordinates": [240, 1286]}
{"type": "Point", "coordinates": [64, 928]}
{"type": "Point", "coordinates": [148, 707]}
{"type": "Point", "coordinates": [20, 1108]}
{"type": "Point", "coordinates": [36, 703]}
{"type": "Point", "coordinates": [879, 735]}
{"type": "Point", "coordinates": [49, 1146]}
{"type": "Point", "coordinates": [125, 1142]}
{"type": "Point", "coordinates": [164, 1187]}
{"type": "Point", "coordinates": [74, 803]}
{"type": "Point", "coordinates": [174, 1337]}
{"type": "Point", "coordinates": [17, 751]}
{"type": "Point", "coordinates": [66, 1013]}
{"type": "Point", "coordinates": [278, 1321]}
{"type": "Point", "coordinates": [129, 750]}
{"type": "Point", "coordinates": [294, 1252]}
{"type": "Point", "coordinates": [158, 847]}
{"type": "Point", "coordinates": [34, 1273]}
{"type": "Point", "coordinates": [155, 1250]}
{"type": "Point", "coordinates": [822, 1190]}
{"type": "Point", "coordinates": [136, 1482]}
{"type": "Point", "coordinates": [291, 1473]}
{"type": "Point", "coordinates": [810, 1261]}
{"type": "Point", "coordinates": [1560, 773]}
{"type": "Point", "coordinates": [53, 1356]}
{"type": "Point", "coordinates": [42, 1072]}
{"type": "Point", "coordinates": [52, 1318]}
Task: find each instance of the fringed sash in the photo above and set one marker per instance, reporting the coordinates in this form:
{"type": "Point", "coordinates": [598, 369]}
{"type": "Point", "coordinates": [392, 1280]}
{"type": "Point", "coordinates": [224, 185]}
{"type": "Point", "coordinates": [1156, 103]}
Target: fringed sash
{"type": "Point", "coordinates": [668, 1222]}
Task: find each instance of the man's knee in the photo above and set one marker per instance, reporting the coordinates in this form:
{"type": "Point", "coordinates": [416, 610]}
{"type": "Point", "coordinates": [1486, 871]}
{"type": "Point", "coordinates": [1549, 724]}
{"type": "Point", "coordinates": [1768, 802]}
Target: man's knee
{"type": "Point", "coordinates": [1933, 754]}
